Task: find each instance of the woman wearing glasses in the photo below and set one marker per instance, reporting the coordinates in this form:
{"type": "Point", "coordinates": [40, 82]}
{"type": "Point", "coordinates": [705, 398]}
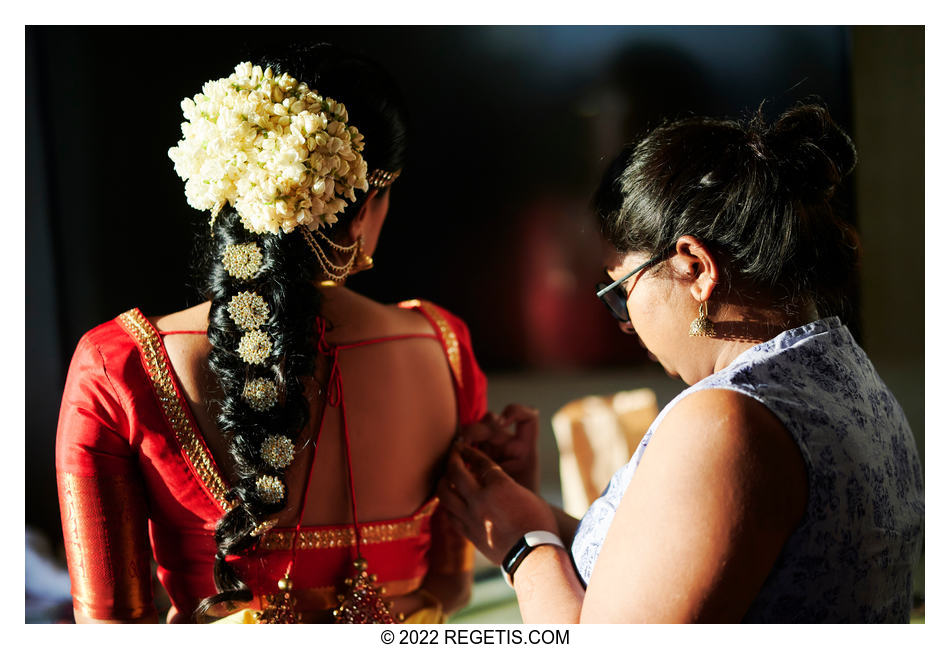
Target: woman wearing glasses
{"type": "Point", "coordinates": [783, 485]}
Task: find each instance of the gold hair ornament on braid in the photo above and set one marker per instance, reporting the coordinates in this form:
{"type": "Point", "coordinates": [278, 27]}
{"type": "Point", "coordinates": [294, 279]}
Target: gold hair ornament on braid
{"type": "Point", "coordinates": [242, 260]}
{"type": "Point", "coordinates": [270, 489]}
{"type": "Point", "coordinates": [255, 347]}
{"type": "Point", "coordinates": [248, 310]}
{"type": "Point", "coordinates": [278, 451]}
{"type": "Point", "coordinates": [283, 157]}
{"type": "Point", "coordinates": [264, 527]}
{"type": "Point", "coordinates": [261, 394]}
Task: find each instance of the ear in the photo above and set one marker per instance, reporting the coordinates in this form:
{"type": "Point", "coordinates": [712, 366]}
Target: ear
{"type": "Point", "coordinates": [696, 263]}
{"type": "Point", "coordinates": [358, 222]}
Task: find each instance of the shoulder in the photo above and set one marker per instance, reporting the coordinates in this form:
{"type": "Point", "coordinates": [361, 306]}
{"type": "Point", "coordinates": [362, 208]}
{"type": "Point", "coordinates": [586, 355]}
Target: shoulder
{"type": "Point", "coordinates": [106, 365]}
{"type": "Point", "coordinates": [451, 329]}
{"type": "Point", "coordinates": [457, 343]}
{"type": "Point", "coordinates": [119, 349]}
{"type": "Point", "coordinates": [711, 505]}
{"type": "Point", "coordinates": [729, 413]}
{"type": "Point", "coordinates": [191, 319]}
{"type": "Point", "coordinates": [725, 438]}
{"type": "Point", "coordinates": [112, 340]}
{"type": "Point", "coordinates": [443, 319]}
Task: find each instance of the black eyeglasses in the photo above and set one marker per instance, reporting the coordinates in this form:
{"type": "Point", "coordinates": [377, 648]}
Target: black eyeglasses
{"type": "Point", "coordinates": [613, 295]}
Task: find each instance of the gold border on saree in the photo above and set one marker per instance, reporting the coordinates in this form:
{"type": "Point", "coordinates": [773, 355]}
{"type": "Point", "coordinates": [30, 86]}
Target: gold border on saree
{"type": "Point", "coordinates": [449, 338]}
{"type": "Point", "coordinates": [345, 537]}
{"type": "Point", "coordinates": [158, 370]}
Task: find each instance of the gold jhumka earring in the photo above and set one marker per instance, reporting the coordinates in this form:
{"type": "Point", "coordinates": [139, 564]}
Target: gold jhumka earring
{"type": "Point", "coordinates": [363, 261]}
{"type": "Point", "coordinates": [702, 326]}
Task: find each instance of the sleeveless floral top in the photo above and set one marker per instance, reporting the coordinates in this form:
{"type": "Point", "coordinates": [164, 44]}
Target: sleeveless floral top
{"type": "Point", "coordinates": [852, 555]}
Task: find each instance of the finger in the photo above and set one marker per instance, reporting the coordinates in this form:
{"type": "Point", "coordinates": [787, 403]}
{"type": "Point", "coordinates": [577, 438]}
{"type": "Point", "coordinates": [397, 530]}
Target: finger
{"type": "Point", "coordinates": [489, 419]}
{"type": "Point", "coordinates": [453, 508]}
{"type": "Point", "coordinates": [477, 432]}
{"type": "Point", "coordinates": [479, 464]}
{"type": "Point", "coordinates": [525, 420]}
{"type": "Point", "coordinates": [487, 436]}
{"type": "Point", "coordinates": [499, 432]}
{"type": "Point", "coordinates": [460, 475]}
{"type": "Point", "coordinates": [458, 524]}
{"type": "Point", "coordinates": [450, 500]}
{"type": "Point", "coordinates": [519, 414]}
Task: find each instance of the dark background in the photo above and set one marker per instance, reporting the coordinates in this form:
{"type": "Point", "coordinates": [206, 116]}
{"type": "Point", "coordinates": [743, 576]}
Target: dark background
{"type": "Point", "coordinates": [512, 127]}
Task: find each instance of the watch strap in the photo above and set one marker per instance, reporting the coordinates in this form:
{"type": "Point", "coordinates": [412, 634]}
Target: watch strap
{"type": "Point", "coordinates": [523, 548]}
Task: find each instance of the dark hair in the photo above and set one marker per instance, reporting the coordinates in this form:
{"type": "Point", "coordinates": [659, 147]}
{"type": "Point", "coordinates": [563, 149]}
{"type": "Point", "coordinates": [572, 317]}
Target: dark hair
{"type": "Point", "coordinates": [759, 195]}
{"type": "Point", "coordinates": [286, 282]}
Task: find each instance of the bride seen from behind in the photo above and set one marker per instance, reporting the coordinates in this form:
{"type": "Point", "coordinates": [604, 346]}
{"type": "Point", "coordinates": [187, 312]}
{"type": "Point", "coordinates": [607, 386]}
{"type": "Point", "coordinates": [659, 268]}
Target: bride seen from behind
{"type": "Point", "coordinates": [277, 446]}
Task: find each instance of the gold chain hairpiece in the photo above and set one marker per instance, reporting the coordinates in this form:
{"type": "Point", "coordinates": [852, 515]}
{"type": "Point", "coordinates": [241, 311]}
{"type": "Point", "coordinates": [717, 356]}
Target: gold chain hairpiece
{"type": "Point", "coordinates": [335, 272]}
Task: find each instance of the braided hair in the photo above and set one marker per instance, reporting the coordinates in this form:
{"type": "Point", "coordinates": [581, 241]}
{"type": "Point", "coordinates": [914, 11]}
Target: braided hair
{"type": "Point", "coordinates": [262, 292]}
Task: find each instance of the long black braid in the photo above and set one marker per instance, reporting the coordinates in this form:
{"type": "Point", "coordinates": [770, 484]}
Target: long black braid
{"type": "Point", "coordinates": [286, 281]}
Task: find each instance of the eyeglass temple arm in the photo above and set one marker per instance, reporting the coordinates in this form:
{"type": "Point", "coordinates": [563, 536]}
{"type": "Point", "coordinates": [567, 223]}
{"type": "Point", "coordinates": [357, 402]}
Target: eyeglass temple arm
{"type": "Point", "coordinates": [633, 272]}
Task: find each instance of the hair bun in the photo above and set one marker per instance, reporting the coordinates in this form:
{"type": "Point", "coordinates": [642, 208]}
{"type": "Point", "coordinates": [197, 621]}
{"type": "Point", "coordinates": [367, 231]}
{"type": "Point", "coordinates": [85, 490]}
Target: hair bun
{"type": "Point", "coordinates": [813, 153]}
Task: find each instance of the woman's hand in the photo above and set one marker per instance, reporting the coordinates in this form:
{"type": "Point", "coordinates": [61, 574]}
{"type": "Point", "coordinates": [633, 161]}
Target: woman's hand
{"type": "Point", "coordinates": [487, 505]}
{"type": "Point", "coordinates": [516, 452]}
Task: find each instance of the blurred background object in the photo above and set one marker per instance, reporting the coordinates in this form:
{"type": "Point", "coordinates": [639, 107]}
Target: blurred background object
{"type": "Point", "coordinates": [596, 435]}
{"type": "Point", "coordinates": [512, 128]}
{"type": "Point", "coordinates": [47, 582]}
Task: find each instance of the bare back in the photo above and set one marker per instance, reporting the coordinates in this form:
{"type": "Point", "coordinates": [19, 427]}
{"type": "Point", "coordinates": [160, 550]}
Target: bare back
{"type": "Point", "coordinates": [399, 400]}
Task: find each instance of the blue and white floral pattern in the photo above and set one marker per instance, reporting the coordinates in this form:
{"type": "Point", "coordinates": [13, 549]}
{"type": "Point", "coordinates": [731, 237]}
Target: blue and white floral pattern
{"type": "Point", "coordinates": [851, 558]}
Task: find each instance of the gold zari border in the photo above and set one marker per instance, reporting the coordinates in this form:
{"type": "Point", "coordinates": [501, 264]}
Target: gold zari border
{"type": "Point", "coordinates": [345, 537]}
{"type": "Point", "coordinates": [106, 542]}
{"type": "Point", "coordinates": [158, 371]}
{"type": "Point", "coordinates": [451, 340]}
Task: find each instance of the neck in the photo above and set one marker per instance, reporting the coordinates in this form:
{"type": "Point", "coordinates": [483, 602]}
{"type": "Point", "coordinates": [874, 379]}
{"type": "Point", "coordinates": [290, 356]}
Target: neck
{"type": "Point", "coordinates": [740, 329]}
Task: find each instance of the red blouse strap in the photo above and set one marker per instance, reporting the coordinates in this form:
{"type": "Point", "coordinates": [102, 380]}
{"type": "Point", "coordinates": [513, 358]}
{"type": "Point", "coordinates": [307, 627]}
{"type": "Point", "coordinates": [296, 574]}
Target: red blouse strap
{"type": "Point", "coordinates": [349, 471]}
{"type": "Point", "coordinates": [332, 393]}
{"type": "Point", "coordinates": [385, 339]}
{"type": "Point", "coordinates": [306, 490]}
{"type": "Point", "coordinates": [334, 398]}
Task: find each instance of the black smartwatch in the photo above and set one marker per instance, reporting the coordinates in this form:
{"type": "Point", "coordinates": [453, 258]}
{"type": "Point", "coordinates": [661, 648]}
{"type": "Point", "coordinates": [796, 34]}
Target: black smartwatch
{"type": "Point", "coordinates": [523, 548]}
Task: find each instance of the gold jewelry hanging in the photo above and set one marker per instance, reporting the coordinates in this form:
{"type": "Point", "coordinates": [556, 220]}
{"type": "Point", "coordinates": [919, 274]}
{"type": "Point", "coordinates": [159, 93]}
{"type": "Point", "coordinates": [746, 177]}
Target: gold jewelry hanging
{"type": "Point", "coordinates": [702, 326]}
{"type": "Point", "coordinates": [334, 272]}
{"type": "Point", "coordinates": [279, 608]}
{"type": "Point", "coordinates": [361, 601]}
{"type": "Point", "coordinates": [336, 246]}
{"type": "Point", "coordinates": [363, 261]}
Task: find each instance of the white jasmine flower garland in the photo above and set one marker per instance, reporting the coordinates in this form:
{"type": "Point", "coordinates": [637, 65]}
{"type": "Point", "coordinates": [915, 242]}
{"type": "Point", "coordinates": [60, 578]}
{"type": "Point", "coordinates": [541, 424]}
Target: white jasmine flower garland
{"type": "Point", "coordinates": [278, 152]}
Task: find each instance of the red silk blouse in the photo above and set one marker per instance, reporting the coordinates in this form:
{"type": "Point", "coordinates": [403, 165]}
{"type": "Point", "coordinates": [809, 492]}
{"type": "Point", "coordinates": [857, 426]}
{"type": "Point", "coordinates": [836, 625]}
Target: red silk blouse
{"type": "Point", "coordinates": [133, 471]}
